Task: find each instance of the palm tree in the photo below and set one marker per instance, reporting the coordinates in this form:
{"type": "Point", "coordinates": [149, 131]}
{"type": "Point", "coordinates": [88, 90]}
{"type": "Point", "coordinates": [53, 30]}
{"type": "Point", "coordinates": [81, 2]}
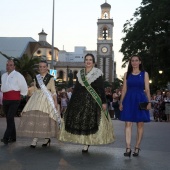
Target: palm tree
{"type": "Point", "coordinates": [26, 65]}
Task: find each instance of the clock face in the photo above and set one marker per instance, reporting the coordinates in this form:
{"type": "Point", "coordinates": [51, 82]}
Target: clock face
{"type": "Point", "coordinates": [104, 49]}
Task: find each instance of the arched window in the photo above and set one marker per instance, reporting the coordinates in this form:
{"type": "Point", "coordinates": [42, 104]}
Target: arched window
{"type": "Point", "coordinates": [105, 15]}
{"type": "Point", "coordinates": [105, 33]}
{"type": "Point", "coordinates": [60, 75]}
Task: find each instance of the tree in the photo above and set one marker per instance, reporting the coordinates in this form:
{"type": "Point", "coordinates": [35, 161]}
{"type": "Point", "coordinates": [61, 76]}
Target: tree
{"type": "Point", "coordinates": [148, 34]}
{"type": "Point", "coordinates": [26, 65]}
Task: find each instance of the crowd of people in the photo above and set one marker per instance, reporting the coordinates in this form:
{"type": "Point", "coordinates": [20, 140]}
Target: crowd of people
{"type": "Point", "coordinates": [161, 106]}
{"type": "Point", "coordinates": [81, 114]}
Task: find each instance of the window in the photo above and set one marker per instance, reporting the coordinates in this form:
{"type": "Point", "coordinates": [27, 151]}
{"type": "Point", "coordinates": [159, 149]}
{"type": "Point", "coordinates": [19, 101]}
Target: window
{"type": "Point", "coordinates": [39, 52]}
{"type": "Point", "coordinates": [60, 76]}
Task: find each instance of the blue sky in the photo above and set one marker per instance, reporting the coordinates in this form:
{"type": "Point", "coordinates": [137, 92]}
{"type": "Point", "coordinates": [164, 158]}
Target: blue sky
{"type": "Point", "coordinates": [75, 22]}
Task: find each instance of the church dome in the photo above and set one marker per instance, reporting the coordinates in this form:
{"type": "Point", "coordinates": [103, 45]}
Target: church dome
{"type": "Point", "coordinates": [105, 5]}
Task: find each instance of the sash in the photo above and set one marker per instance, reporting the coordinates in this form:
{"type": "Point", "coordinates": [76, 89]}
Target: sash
{"type": "Point", "coordinates": [92, 92]}
{"type": "Point", "coordinates": [44, 89]}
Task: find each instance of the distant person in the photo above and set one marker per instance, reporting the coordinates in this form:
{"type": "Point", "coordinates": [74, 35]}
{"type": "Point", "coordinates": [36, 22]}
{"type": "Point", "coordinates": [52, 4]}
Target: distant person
{"type": "Point", "coordinates": [135, 90]}
{"type": "Point", "coordinates": [115, 103]}
{"type": "Point", "coordinates": [86, 120]}
{"type": "Point", "coordinates": [69, 92]}
{"type": "Point", "coordinates": [13, 86]}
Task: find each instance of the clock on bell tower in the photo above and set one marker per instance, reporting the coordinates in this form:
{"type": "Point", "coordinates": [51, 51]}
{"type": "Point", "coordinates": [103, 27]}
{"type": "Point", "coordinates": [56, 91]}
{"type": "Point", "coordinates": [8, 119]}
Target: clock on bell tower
{"type": "Point", "coordinates": [105, 54]}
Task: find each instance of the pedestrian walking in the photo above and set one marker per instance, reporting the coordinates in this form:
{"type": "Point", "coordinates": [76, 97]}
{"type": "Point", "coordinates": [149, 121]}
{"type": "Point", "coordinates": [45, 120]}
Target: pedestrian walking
{"type": "Point", "coordinates": [40, 117]}
{"type": "Point", "coordinates": [86, 120]}
{"type": "Point", "coordinates": [13, 86]}
{"type": "Point", "coordinates": [135, 90]}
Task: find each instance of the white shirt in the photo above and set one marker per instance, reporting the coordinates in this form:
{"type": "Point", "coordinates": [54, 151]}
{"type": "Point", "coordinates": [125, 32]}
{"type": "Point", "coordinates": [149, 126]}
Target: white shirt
{"type": "Point", "coordinates": [14, 81]}
{"type": "Point", "coordinates": [69, 95]}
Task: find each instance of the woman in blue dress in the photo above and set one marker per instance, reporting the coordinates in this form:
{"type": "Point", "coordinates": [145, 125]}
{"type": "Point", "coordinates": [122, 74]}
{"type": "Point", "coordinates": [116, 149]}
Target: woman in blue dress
{"type": "Point", "coordinates": [135, 90]}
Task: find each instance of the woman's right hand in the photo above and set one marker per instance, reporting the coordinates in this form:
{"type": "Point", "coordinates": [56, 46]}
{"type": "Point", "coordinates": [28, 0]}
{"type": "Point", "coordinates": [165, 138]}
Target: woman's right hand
{"type": "Point", "coordinates": [120, 107]}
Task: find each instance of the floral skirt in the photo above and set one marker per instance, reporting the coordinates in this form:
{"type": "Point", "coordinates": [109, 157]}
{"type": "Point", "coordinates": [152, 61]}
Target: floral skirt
{"type": "Point", "coordinates": [37, 124]}
{"type": "Point", "coordinates": [35, 118]}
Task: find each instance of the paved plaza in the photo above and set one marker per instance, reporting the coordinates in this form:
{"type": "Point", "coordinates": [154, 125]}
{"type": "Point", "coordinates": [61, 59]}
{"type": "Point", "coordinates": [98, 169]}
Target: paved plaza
{"type": "Point", "coordinates": [154, 155]}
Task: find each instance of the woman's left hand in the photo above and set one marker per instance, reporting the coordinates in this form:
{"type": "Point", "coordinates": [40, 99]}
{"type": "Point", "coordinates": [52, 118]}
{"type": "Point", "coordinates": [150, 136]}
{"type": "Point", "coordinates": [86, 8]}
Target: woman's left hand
{"type": "Point", "coordinates": [149, 106]}
{"type": "Point", "coordinates": [56, 104]}
{"type": "Point", "coordinates": [104, 106]}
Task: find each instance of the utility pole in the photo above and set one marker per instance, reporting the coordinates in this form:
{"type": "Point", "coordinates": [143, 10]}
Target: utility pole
{"type": "Point", "coordinates": [52, 49]}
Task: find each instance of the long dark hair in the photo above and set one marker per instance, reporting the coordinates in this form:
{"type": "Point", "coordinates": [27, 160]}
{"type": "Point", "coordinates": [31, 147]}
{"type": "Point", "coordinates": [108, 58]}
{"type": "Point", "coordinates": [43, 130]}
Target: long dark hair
{"type": "Point", "coordinates": [89, 54]}
{"type": "Point", "coordinates": [130, 68]}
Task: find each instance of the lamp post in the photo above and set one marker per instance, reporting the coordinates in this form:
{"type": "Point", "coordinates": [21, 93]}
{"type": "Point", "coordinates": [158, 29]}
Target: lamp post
{"type": "Point", "coordinates": [52, 48]}
{"type": "Point", "coordinates": [67, 75]}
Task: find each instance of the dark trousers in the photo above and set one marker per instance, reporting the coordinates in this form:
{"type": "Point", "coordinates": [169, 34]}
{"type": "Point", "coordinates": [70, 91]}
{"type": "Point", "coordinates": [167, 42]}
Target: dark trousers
{"type": "Point", "coordinates": [115, 105]}
{"type": "Point", "coordinates": [10, 108]}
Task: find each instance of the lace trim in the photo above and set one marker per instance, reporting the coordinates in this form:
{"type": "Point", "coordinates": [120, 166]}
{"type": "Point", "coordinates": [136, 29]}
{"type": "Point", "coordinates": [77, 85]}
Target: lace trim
{"type": "Point", "coordinates": [91, 76]}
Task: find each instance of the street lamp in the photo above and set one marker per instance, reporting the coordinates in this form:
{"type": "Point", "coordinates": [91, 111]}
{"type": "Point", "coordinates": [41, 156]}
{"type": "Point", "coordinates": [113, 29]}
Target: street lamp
{"type": "Point", "coordinates": [160, 71]}
{"type": "Point", "coordinates": [52, 48]}
{"type": "Point", "coordinates": [150, 81]}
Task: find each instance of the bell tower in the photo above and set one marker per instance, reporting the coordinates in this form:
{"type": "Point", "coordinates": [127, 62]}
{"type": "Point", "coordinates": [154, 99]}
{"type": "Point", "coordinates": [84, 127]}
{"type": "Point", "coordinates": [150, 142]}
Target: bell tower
{"type": "Point", "coordinates": [105, 54]}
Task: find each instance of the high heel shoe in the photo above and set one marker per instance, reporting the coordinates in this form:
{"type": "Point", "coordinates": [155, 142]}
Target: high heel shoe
{"type": "Point", "coordinates": [33, 146]}
{"type": "Point", "coordinates": [48, 142]}
{"type": "Point", "coordinates": [85, 149]}
{"type": "Point", "coordinates": [136, 152]}
{"type": "Point", "coordinates": [128, 153]}
{"type": "Point", "coordinates": [34, 143]}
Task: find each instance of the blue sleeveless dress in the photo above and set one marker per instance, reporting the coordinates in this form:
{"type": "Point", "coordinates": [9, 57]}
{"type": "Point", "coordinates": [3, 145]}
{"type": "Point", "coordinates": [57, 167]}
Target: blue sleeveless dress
{"type": "Point", "coordinates": [134, 95]}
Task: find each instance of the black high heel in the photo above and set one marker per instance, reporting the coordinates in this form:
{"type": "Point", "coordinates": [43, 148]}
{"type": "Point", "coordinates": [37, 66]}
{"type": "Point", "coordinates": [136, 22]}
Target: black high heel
{"type": "Point", "coordinates": [128, 153]}
{"type": "Point", "coordinates": [34, 143]}
{"type": "Point", "coordinates": [85, 150]}
{"type": "Point", "coordinates": [33, 146]}
{"type": "Point", "coordinates": [136, 152]}
{"type": "Point", "coordinates": [48, 142]}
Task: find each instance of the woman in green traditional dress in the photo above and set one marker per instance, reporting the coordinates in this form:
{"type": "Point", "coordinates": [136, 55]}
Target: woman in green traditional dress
{"type": "Point", "coordinates": [86, 120]}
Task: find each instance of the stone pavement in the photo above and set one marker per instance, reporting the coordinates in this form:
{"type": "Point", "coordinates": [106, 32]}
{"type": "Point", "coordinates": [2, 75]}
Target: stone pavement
{"type": "Point", "coordinates": [154, 155]}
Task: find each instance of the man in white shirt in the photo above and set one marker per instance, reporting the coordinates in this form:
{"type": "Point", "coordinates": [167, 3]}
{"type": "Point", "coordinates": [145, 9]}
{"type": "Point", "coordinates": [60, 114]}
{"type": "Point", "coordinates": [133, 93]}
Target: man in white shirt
{"type": "Point", "coordinates": [13, 86]}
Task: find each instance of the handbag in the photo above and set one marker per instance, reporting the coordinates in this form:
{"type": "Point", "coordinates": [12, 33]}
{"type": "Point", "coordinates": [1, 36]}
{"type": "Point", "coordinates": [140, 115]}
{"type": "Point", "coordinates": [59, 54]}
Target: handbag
{"type": "Point", "coordinates": [143, 105]}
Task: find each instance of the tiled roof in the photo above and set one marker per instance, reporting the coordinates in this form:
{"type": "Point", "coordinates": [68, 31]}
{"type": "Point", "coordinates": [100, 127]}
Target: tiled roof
{"type": "Point", "coordinates": [14, 46]}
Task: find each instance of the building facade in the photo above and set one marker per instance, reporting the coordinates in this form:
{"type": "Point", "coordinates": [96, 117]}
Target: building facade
{"type": "Point", "coordinates": [65, 62]}
{"type": "Point", "coordinates": [104, 56]}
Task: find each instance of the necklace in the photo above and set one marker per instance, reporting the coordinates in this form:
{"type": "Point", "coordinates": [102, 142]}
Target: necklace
{"type": "Point", "coordinates": [135, 73]}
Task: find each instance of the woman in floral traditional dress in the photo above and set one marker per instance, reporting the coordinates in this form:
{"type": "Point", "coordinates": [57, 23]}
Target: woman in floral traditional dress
{"type": "Point", "coordinates": [40, 118]}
